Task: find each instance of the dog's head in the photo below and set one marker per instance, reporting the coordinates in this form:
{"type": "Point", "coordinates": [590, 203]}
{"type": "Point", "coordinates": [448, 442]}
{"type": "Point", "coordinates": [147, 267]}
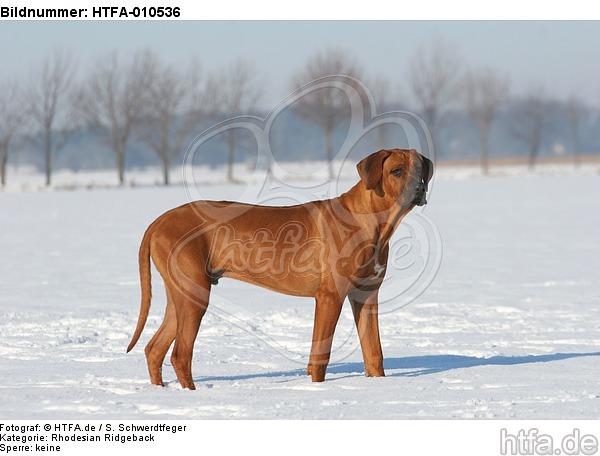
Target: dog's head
{"type": "Point", "coordinates": [400, 174]}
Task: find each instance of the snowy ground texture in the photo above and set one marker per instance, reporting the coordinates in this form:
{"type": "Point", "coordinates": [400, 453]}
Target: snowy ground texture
{"type": "Point", "coordinates": [508, 328]}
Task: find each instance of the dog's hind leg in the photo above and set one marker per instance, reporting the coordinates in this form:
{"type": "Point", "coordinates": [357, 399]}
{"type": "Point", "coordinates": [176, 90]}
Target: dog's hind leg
{"type": "Point", "coordinates": [189, 313]}
{"type": "Point", "coordinates": [160, 343]}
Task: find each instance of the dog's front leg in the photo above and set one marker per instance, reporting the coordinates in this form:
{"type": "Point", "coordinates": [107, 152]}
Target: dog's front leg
{"type": "Point", "coordinates": [327, 312]}
{"type": "Point", "coordinates": [365, 310]}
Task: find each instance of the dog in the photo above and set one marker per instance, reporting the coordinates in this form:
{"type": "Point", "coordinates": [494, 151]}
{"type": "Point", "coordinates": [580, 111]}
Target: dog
{"type": "Point", "coordinates": [328, 250]}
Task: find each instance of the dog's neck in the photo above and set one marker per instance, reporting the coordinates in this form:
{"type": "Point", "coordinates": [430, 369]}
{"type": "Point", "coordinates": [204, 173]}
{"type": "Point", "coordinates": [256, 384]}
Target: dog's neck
{"type": "Point", "coordinates": [382, 214]}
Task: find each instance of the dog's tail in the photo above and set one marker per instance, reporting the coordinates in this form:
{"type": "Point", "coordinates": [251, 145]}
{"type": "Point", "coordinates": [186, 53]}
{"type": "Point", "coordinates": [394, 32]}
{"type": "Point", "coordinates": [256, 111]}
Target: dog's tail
{"type": "Point", "coordinates": [145, 281]}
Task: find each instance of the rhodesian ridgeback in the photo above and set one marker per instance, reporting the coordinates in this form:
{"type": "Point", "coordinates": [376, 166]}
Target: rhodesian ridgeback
{"type": "Point", "coordinates": [329, 250]}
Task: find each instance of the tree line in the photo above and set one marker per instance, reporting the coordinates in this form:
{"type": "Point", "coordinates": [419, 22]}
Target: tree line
{"type": "Point", "coordinates": [123, 99]}
{"type": "Point", "coordinates": [142, 98]}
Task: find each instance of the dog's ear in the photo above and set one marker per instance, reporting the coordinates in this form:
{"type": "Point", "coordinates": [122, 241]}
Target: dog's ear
{"type": "Point", "coordinates": [370, 170]}
{"type": "Point", "coordinates": [427, 171]}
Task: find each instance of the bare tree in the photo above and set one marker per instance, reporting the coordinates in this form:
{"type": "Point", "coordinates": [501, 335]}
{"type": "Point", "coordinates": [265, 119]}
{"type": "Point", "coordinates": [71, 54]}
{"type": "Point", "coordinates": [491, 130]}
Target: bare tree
{"type": "Point", "coordinates": [574, 111]}
{"type": "Point", "coordinates": [47, 105]}
{"type": "Point", "coordinates": [111, 99]}
{"type": "Point", "coordinates": [434, 75]}
{"type": "Point", "coordinates": [327, 107]}
{"type": "Point", "coordinates": [380, 88]}
{"type": "Point", "coordinates": [11, 118]}
{"type": "Point", "coordinates": [484, 94]}
{"type": "Point", "coordinates": [234, 91]}
{"type": "Point", "coordinates": [172, 108]}
{"type": "Point", "coordinates": [530, 120]}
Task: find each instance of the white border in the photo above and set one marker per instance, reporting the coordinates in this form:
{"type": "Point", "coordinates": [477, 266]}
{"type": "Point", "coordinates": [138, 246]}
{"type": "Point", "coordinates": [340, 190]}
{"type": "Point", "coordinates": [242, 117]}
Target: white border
{"type": "Point", "coordinates": [345, 10]}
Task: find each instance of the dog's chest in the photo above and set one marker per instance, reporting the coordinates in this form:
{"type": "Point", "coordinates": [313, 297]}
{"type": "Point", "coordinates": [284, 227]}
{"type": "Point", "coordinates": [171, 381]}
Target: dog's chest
{"type": "Point", "coordinates": [378, 270]}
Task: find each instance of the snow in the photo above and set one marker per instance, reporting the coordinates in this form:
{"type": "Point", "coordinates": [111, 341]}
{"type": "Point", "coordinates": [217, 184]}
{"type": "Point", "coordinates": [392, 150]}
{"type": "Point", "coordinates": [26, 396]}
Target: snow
{"type": "Point", "coordinates": [509, 327]}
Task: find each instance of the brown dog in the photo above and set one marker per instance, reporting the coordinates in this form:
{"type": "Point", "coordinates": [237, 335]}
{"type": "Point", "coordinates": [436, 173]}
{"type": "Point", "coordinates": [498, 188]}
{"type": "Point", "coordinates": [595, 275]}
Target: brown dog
{"type": "Point", "coordinates": [328, 250]}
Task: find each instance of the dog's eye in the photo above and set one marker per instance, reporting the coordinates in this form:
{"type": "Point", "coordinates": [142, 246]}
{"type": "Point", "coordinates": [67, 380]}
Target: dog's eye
{"type": "Point", "coordinates": [396, 171]}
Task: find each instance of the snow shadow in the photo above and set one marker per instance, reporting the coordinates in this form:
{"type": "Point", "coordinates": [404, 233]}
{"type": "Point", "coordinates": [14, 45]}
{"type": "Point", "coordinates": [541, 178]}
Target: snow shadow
{"type": "Point", "coordinates": [415, 366]}
{"type": "Point", "coordinates": [411, 366]}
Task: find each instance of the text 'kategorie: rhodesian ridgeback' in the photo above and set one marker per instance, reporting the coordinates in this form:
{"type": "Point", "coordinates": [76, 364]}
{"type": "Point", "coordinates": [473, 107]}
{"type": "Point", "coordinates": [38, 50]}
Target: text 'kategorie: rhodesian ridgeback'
{"type": "Point", "coordinates": [329, 250]}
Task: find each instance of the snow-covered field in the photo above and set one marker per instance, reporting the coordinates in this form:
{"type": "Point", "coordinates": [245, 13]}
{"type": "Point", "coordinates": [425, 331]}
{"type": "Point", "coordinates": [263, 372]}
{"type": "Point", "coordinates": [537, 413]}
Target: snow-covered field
{"type": "Point", "coordinates": [508, 328]}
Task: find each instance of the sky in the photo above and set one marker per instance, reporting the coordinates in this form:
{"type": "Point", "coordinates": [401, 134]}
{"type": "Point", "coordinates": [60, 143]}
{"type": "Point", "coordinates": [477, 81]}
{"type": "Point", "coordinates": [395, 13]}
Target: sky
{"type": "Point", "coordinates": [562, 56]}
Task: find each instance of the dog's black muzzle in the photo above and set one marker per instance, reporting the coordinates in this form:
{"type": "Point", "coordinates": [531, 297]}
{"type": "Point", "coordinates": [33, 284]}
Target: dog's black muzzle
{"type": "Point", "coordinates": [420, 193]}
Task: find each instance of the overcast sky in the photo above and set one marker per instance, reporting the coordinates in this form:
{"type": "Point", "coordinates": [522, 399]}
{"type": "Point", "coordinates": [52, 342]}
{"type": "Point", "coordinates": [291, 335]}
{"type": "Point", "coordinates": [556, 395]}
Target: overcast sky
{"type": "Point", "coordinates": [563, 56]}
